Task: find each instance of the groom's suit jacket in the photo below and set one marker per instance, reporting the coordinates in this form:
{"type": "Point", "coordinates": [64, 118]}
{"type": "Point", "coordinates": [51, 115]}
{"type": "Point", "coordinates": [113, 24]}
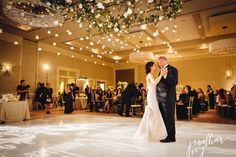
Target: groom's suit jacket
{"type": "Point", "coordinates": [166, 88]}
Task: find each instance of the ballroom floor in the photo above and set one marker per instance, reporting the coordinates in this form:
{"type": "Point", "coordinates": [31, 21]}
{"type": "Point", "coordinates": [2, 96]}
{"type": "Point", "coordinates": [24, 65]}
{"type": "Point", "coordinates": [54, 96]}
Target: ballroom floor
{"type": "Point", "coordinates": [108, 136]}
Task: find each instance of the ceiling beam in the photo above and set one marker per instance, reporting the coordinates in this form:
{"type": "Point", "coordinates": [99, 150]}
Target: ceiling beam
{"type": "Point", "coordinates": [198, 22]}
{"type": "Point", "coordinates": [181, 45]}
{"type": "Point", "coordinates": [151, 29]}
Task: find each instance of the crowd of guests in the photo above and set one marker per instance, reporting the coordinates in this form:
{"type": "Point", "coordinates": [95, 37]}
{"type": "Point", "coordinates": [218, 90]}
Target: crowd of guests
{"type": "Point", "coordinates": [117, 100]}
{"type": "Point", "coordinates": [202, 101]}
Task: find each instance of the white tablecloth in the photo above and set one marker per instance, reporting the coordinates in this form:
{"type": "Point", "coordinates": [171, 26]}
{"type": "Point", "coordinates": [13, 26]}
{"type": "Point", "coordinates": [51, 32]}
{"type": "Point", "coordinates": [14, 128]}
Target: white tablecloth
{"type": "Point", "coordinates": [81, 103]}
{"type": "Point", "coordinates": [14, 111]}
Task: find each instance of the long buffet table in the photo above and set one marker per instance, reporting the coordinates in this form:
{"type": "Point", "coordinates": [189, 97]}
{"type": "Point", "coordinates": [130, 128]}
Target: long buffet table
{"type": "Point", "coordinates": [14, 111]}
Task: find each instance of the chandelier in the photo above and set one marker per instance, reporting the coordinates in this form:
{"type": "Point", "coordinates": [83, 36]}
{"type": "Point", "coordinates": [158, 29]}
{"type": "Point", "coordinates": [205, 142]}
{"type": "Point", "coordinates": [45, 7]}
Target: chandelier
{"type": "Point", "coordinates": [32, 13]}
{"type": "Point", "coordinates": [104, 16]}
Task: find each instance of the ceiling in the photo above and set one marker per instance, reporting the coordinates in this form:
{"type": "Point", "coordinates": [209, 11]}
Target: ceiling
{"type": "Point", "coordinates": [187, 36]}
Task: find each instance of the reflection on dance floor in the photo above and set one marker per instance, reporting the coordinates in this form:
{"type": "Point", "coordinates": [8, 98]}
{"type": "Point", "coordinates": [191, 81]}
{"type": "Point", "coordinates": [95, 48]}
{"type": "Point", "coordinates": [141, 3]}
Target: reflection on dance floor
{"type": "Point", "coordinates": [95, 136]}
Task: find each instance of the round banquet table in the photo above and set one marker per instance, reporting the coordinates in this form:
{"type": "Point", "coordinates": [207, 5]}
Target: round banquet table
{"type": "Point", "coordinates": [14, 111]}
{"type": "Point", "coordinates": [81, 103]}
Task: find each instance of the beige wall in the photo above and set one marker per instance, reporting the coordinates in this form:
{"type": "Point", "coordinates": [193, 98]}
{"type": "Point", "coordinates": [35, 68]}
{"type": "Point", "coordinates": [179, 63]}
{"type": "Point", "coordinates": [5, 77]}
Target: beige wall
{"type": "Point", "coordinates": [86, 69]}
{"type": "Point", "coordinates": [28, 64]}
{"type": "Point", "coordinates": [9, 54]}
{"type": "Point", "coordinates": [201, 72]}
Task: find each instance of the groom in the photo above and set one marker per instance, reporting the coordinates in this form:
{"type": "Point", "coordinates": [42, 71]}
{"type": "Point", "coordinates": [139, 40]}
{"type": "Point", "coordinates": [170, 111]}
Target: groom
{"type": "Point", "coordinates": [166, 96]}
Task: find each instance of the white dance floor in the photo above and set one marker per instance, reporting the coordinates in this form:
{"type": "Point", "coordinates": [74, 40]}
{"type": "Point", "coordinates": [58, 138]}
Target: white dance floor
{"type": "Point", "coordinates": [107, 136]}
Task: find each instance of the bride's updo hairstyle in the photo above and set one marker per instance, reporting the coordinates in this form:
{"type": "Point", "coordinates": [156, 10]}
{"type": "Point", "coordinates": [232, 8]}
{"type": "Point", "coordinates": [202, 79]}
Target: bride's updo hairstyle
{"type": "Point", "coordinates": [148, 67]}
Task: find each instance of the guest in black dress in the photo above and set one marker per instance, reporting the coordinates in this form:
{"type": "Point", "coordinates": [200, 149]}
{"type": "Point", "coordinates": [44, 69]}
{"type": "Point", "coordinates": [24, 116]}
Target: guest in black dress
{"type": "Point", "coordinates": [211, 97]}
{"type": "Point", "coordinates": [49, 92]}
{"type": "Point", "coordinates": [43, 95]}
{"type": "Point", "coordinates": [68, 98]}
{"type": "Point", "coordinates": [37, 101]}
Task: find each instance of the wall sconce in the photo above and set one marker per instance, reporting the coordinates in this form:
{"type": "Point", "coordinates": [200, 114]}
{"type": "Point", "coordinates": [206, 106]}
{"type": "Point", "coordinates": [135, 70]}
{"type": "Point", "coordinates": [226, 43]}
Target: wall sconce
{"type": "Point", "coordinates": [228, 74]}
{"type": "Point", "coordinates": [6, 68]}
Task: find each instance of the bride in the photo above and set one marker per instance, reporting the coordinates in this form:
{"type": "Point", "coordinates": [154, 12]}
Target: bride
{"type": "Point", "coordinates": [152, 127]}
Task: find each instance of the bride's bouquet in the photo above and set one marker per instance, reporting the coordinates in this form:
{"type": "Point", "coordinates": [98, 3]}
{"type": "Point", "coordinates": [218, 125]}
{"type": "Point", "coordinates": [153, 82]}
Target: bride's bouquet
{"type": "Point", "coordinates": [8, 98]}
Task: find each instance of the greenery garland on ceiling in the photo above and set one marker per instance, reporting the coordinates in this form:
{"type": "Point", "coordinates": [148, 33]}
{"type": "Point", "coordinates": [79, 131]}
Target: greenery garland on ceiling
{"type": "Point", "coordinates": [108, 15]}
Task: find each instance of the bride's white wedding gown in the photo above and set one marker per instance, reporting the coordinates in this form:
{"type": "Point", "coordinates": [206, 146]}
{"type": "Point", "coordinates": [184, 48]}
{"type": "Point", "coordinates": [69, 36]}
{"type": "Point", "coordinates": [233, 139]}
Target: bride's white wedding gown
{"type": "Point", "coordinates": [152, 127]}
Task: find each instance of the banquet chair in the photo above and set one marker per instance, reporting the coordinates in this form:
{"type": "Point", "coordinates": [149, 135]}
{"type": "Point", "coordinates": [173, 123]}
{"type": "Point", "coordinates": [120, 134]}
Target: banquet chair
{"type": "Point", "coordinates": [190, 108]}
{"type": "Point", "coordinates": [135, 105]}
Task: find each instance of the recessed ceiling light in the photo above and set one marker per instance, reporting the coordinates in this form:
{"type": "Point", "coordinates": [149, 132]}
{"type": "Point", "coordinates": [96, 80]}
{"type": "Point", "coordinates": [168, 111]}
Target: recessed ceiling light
{"type": "Point", "coordinates": [16, 42]}
{"type": "Point", "coordinates": [85, 60]}
{"type": "Point", "coordinates": [72, 56]}
{"type": "Point", "coordinates": [69, 33]}
{"type": "Point", "coordinates": [103, 64]}
{"type": "Point", "coordinates": [58, 54]}
{"type": "Point", "coordinates": [200, 26]}
{"type": "Point", "coordinates": [91, 43]}
{"type": "Point", "coordinates": [149, 39]}
{"type": "Point", "coordinates": [54, 44]}
{"type": "Point", "coordinates": [155, 34]}
{"type": "Point", "coordinates": [40, 49]}
{"type": "Point", "coordinates": [166, 28]}
{"type": "Point", "coordinates": [178, 39]}
{"type": "Point", "coordinates": [92, 56]}
{"type": "Point", "coordinates": [117, 61]}
{"type": "Point", "coordinates": [143, 27]}
{"type": "Point", "coordinates": [36, 37]}
{"type": "Point", "coordinates": [127, 61]}
{"type": "Point", "coordinates": [175, 26]}
{"type": "Point", "coordinates": [49, 32]}
{"type": "Point", "coordinates": [116, 58]}
{"type": "Point", "coordinates": [95, 62]}
{"type": "Point", "coordinates": [56, 35]}
{"type": "Point", "coordinates": [174, 31]}
{"type": "Point", "coordinates": [72, 48]}
{"type": "Point", "coordinates": [68, 43]}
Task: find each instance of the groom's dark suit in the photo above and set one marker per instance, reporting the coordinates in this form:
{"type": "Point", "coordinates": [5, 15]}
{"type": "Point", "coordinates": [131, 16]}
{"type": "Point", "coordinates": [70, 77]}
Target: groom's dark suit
{"type": "Point", "coordinates": [166, 96]}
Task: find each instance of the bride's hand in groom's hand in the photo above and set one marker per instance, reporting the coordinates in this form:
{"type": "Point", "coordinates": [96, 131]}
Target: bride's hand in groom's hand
{"type": "Point", "coordinates": [164, 72]}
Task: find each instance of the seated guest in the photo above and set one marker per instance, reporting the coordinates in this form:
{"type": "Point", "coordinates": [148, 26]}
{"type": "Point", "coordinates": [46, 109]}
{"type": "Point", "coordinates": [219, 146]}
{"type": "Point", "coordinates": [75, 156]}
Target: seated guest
{"type": "Point", "coordinates": [180, 108]}
{"type": "Point", "coordinates": [68, 98]}
{"type": "Point", "coordinates": [22, 90]}
{"type": "Point", "coordinates": [117, 98]}
{"type": "Point", "coordinates": [221, 97]}
{"type": "Point", "coordinates": [233, 93]}
{"type": "Point", "coordinates": [211, 96]}
{"type": "Point", "coordinates": [202, 100]}
{"type": "Point", "coordinates": [108, 100]}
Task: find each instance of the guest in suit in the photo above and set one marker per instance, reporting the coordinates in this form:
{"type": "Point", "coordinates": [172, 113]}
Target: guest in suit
{"type": "Point", "coordinates": [130, 92]}
{"type": "Point", "coordinates": [68, 98]}
{"type": "Point", "coordinates": [211, 96]}
{"type": "Point", "coordinates": [166, 96]}
{"type": "Point", "coordinates": [22, 90]}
